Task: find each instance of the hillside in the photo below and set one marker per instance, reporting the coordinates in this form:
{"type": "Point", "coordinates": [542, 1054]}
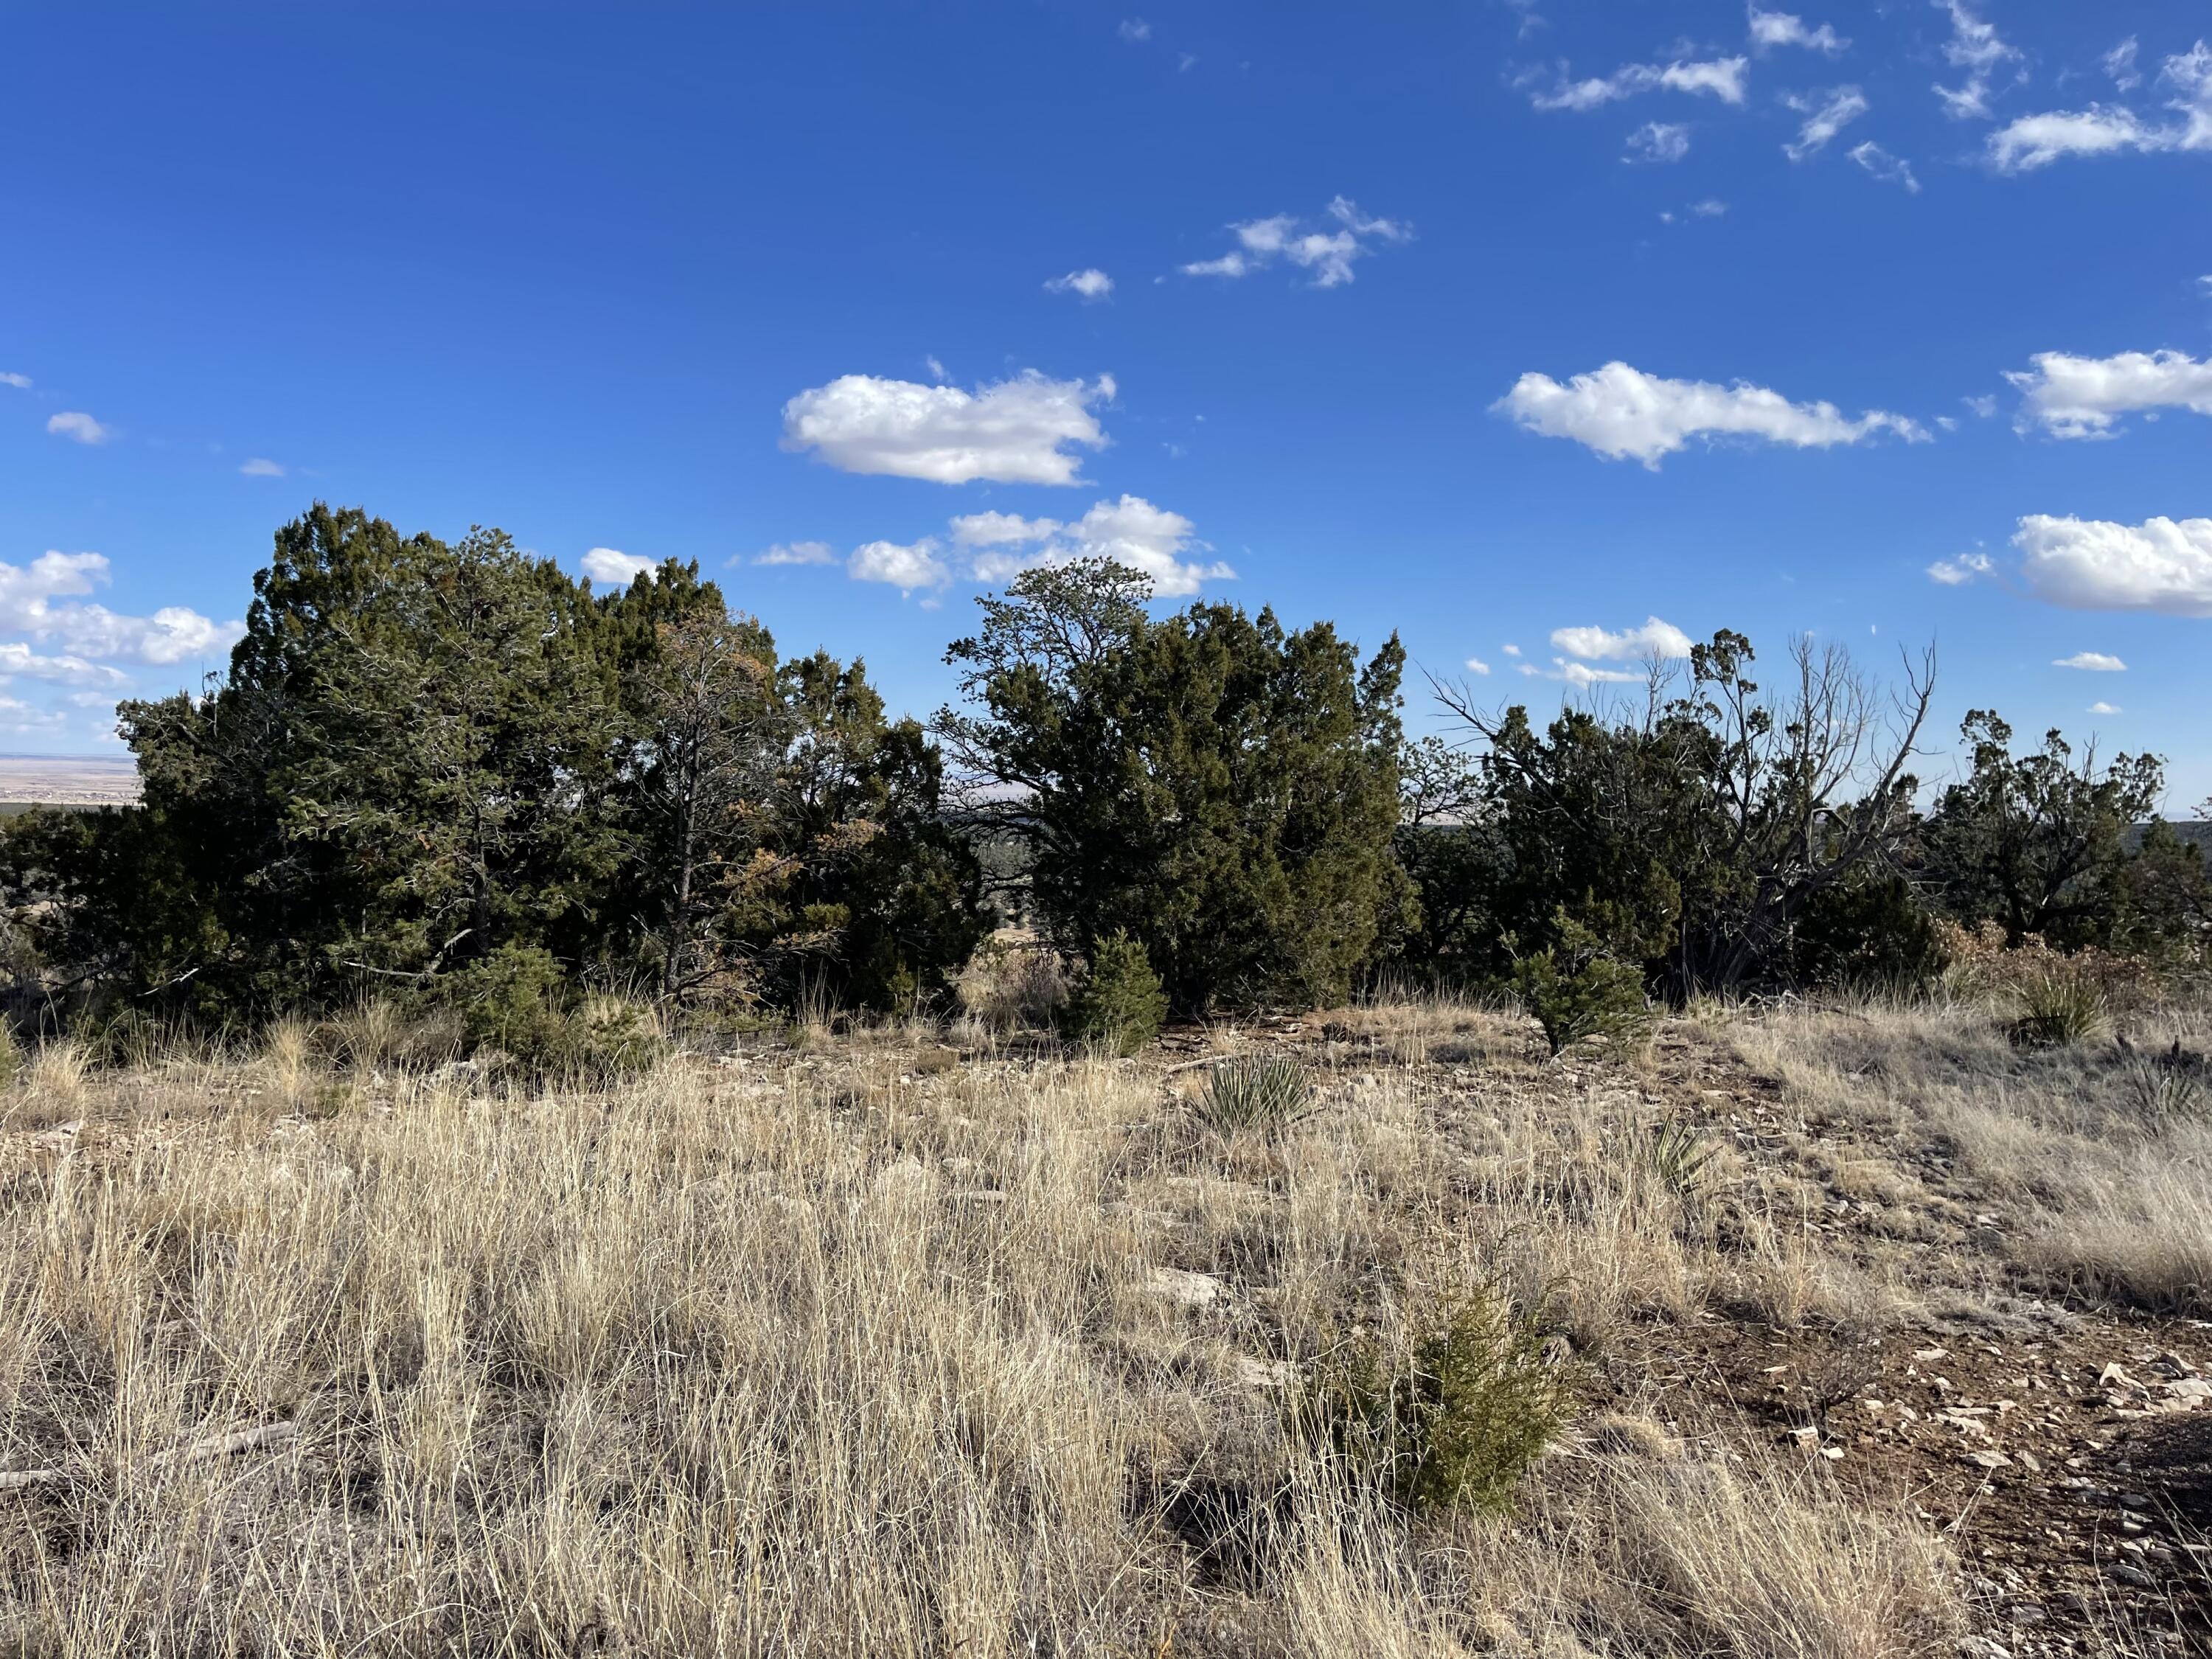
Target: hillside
{"type": "Point", "coordinates": [1877, 1336]}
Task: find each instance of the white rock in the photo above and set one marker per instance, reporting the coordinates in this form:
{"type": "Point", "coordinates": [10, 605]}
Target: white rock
{"type": "Point", "coordinates": [1187, 1290]}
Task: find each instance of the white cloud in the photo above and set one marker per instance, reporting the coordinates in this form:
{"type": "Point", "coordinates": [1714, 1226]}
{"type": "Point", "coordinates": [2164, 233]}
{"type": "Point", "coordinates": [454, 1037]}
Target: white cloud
{"type": "Point", "coordinates": [936, 369]}
{"type": "Point", "coordinates": [1890, 169]}
{"type": "Point", "coordinates": [2161, 565]}
{"type": "Point", "coordinates": [1328, 254]}
{"type": "Point", "coordinates": [1510, 650]}
{"type": "Point", "coordinates": [18, 658]}
{"type": "Point", "coordinates": [21, 382]}
{"type": "Point", "coordinates": [1720, 78]}
{"type": "Point", "coordinates": [996, 529]}
{"type": "Point", "coordinates": [615, 567]}
{"type": "Point", "coordinates": [79, 426]}
{"type": "Point", "coordinates": [2036, 141]}
{"type": "Point", "coordinates": [1956, 573]}
{"type": "Point", "coordinates": [2074, 397]}
{"type": "Point", "coordinates": [1658, 141]}
{"type": "Point", "coordinates": [1135, 29]}
{"type": "Point", "coordinates": [26, 606]}
{"type": "Point", "coordinates": [1976, 47]}
{"type": "Point", "coordinates": [1090, 284]}
{"type": "Point", "coordinates": [1130, 530]}
{"type": "Point", "coordinates": [1825, 116]}
{"type": "Point", "coordinates": [1619, 411]}
{"type": "Point", "coordinates": [1186, 61]}
{"type": "Point", "coordinates": [1653, 639]}
{"type": "Point", "coordinates": [2120, 63]}
{"type": "Point", "coordinates": [798, 553]}
{"type": "Point", "coordinates": [1014, 432]}
{"type": "Point", "coordinates": [2105, 709]}
{"type": "Point", "coordinates": [1580, 673]}
{"type": "Point", "coordinates": [2094, 662]}
{"type": "Point", "coordinates": [1476, 666]}
{"type": "Point", "coordinates": [905, 568]}
{"type": "Point", "coordinates": [1770, 29]}
{"type": "Point", "coordinates": [259, 467]}
{"type": "Point", "coordinates": [1709, 209]}
{"type": "Point", "coordinates": [1985, 405]}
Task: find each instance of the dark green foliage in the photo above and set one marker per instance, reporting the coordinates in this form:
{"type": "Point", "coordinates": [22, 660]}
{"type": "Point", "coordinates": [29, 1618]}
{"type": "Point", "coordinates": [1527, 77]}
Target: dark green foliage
{"type": "Point", "coordinates": [2162, 897]}
{"type": "Point", "coordinates": [1869, 935]}
{"type": "Point", "coordinates": [1220, 788]}
{"type": "Point", "coordinates": [1692, 836]}
{"type": "Point", "coordinates": [1455, 1423]}
{"type": "Point", "coordinates": [2037, 842]}
{"type": "Point", "coordinates": [429, 764]}
{"type": "Point", "coordinates": [1118, 1003]}
{"type": "Point", "coordinates": [1575, 990]}
{"type": "Point", "coordinates": [517, 1003]}
{"type": "Point", "coordinates": [1266, 1092]}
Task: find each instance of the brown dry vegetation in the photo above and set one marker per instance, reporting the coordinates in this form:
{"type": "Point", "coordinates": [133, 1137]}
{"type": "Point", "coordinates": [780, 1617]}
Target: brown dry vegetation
{"type": "Point", "coordinates": [860, 1345]}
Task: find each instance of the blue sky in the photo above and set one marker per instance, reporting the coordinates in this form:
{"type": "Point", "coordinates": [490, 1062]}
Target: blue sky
{"type": "Point", "coordinates": [1544, 333]}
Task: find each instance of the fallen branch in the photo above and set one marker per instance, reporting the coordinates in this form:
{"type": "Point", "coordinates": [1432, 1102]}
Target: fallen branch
{"type": "Point", "coordinates": [31, 1480]}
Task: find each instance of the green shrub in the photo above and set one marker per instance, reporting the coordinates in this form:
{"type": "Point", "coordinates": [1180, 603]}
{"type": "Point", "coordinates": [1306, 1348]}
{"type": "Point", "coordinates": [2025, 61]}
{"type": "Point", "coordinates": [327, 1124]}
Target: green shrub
{"type": "Point", "coordinates": [1456, 1421]}
{"type": "Point", "coordinates": [1255, 1091]}
{"type": "Point", "coordinates": [516, 1001]}
{"type": "Point", "coordinates": [1870, 936]}
{"type": "Point", "coordinates": [2060, 1009]}
{"type": "Point", "coordinates": [1575, 990]}
{"type": "Point", "coordinates": [1118, 1004]}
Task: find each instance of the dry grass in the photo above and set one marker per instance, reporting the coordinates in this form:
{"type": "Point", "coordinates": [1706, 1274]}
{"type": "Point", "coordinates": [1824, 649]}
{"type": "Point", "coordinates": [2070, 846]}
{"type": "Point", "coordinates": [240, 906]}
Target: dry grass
{"type": "Point", "coordinates": [837, 1351]}
{"type": "Point", "coordinates": [2092, 1193]}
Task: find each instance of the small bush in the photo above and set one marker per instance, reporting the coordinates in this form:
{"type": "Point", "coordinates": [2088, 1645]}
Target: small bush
{"type": "Point", "coordinates": [2060, 1009]}
{"type": "Point", "coordinates": [1575, 990]}
{"type": "Point", "coordinates": [1119, 1005]}
{"type": "Point", "coordinates": [516, 1001]}
{"type": "Point", "coordinates": [1266, 1092]}
{"type": "Point", "coordinates": [1455, 1423]}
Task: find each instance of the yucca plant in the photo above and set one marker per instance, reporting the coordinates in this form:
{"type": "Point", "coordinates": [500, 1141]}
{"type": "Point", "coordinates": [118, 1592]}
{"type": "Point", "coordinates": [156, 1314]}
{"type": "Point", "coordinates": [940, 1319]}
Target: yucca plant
{"type": "Point", "coordinates": [2164, 1092]}
{"type": "Point", "coordinates": [1266, 1092]}
{"type": "Point", "coordinates": [2060, 1010]}
{"type": "Point", "coordinates": [1676, 1151]}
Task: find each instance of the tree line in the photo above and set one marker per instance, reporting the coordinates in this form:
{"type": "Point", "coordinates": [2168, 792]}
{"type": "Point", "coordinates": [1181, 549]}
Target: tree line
{"type": "Point", "coordinates": [449, 772]}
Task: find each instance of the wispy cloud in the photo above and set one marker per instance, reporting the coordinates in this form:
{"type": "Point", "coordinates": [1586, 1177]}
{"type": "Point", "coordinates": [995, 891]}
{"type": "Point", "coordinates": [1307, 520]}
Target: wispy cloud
{"type": "Point", "coordinates": [1328, 254]}
{"type": "Point", "coordinates": [1089, 284]}
{"type": "Point", "coordinates": [798, 553]}
{"type": "Point", "coordinates": [1881, 164]}
{"type": "Point", "coordinates": [1719, 77]}
{"type": "Point", "coordinates": [1826, 114]}
{"type": "Point", "coordinates": [1770, 29]}
{"type": "Point", "coordinates": [2094, 662]}
{"type": "Point", "coordinates": [1658, 141]}
{"type": "Point", "coordinates": [1976, 47]}
{"type": "Point", "coordinates": [261, 467]}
